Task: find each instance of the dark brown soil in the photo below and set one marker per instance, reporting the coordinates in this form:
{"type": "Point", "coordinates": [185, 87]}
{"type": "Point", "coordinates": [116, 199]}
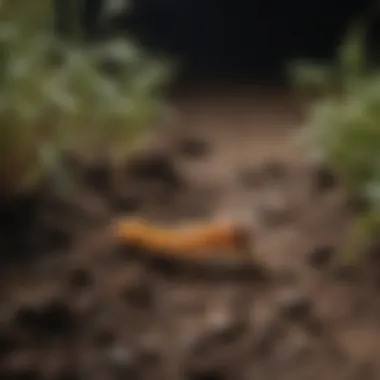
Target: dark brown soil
{"type": "Point", "coordinates": [75, 306]}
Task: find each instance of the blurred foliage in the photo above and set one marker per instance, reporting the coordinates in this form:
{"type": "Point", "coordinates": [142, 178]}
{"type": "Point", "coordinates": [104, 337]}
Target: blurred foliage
{"type": "Point", "coordinates": [58, 96]}
{"type": "Point", "coordinates": [344, 126]}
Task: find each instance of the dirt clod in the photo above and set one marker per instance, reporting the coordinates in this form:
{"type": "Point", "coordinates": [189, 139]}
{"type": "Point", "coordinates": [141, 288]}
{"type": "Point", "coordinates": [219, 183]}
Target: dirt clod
{"type": "Point", "coordinates": [153, 167]}
{"type": "Point", "coordinates": [274, 170]}
{"type": "Point", "coordinates": [321, 256]}
{"type": "Point", "coordinates": [52, 319]}
{"type": "Point", "coordinates": [122, 361]}
{"type": "Point", "coordinates": [295, 305]}
{"type": "Point", "coordinates": [126, 204]}
{"type": "Point", "coordinates": [324, 178]}
{"type": "Point", "coordinates": [98, 175]}
{"type": "Point", "coordinates": [79, 279]}
{"type": "Point", "coordinates": [139, 295]}
{"type": "Point", "coordinates": [193, 147]}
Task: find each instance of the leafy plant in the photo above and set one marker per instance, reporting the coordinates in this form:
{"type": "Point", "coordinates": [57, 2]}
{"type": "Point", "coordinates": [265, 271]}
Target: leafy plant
{"type": "Point", "coordinates": [344, 126]}
{"type": "Point", "coordinates": [60, 96]}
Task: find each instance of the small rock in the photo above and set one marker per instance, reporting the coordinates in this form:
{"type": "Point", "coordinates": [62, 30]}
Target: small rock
{"type": "Point", "coordinates": [296, 347]}
{"type": "Point", "coordinates": [224, 327]}
{"type": "Point", "coordinates": [98, 175]}
{"type": "Point", "coordinates": [275, 210]}
{"type": "Point", "coordinates": [122, 361]}
{"type": "Point", "coordinates": [193, 147]}
{"type": "Point", "coordinates": [295, 305]}
{"type": "Point", "coordinates": [166, 266]}
{"type": "Point", "coordinates": [140, 295]}
{"type": "Point", "coordinates": [119, 355]}
{"type": "Point", "coordinates": [103, 338]}
{"type": "Point", "coordinates": [228, 333]}
{"type": "Point", "coordinates": [79, 279]}
{"type": "Point", "coordinates": [149, 352]}
{"type": "Point", "coordinates": [50, 320]}
{"type": "Point", "coordinates": [127, 252]}
{"type": "Point", "coordinates": [57, 318]}
{"type": "Point", "coordinates": [274, 170]}
{"type": "Point", "coordinates": [102, 320]}
{"type": "Point", "coordinates": [321, 256]}
{"type": "Point", "coordinates": [155, 167]}
{"type": "Point", "coordinates": [267, 338]}
{"type": "Point", "coordinates": [126, 203]}
{"type": "Point", "coordinates": [270, 171]}
{"type": "Point", "coordinates": [324, 179]}
{"type": "Point", "coordinates": [221, 329]}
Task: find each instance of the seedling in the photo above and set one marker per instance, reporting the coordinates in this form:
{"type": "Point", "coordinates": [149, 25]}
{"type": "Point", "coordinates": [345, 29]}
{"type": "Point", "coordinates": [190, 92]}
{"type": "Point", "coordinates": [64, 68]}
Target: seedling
{"type": "Point", "coordinates": [344, 128]}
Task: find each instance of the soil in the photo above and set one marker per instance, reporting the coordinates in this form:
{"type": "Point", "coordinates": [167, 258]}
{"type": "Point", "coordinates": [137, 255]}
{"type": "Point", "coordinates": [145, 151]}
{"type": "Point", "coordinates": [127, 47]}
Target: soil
{"type": "Point", "coordinates": [76, 306]}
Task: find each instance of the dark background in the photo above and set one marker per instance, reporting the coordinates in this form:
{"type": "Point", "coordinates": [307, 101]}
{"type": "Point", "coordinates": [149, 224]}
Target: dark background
{"type": "Point", "coordinates": [236, 39]}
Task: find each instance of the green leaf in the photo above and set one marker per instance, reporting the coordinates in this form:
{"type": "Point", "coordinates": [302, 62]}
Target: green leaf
{"type": "Point", "coordinates": [352, 57]}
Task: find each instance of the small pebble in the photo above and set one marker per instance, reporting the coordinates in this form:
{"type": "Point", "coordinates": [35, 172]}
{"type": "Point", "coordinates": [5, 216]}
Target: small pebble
{"type": "Point", "coordinates": [224, 327]}
{"type": "Point", "coordinates": [155, 167]}
{"type": "Point", "coordinates": [122, 360]}
{"type": "Point", "coordinates": [126, 203]}
{"type": "Point", "coordinates": [46, 321]}
{"type": "Point", "coordinates": [221, 329]}
{"type": "Point", "coordinates": [140, 295]}
{"type": "Point", "coordinates": [79, 279]}
{"type": "Point", "coordinates": [321, 256]}
{"type": "Point", "coordinates": [252, 177]}
{"type": "Point", "coordinates": [275, 209]}
{"type": "Point", "coordinates": [103, 338]}
{"type": "Point", "coordinates": [98, 176]}
{"type": "Point", "coordinates": [295, 305]}
{"type": "Point", "coordinates": [267, 338]}
{"type": "Point", "coordinates": [297, 346]}
{"type": "Point", "coordinates": [193, 147]}
{"type": "Point", "coordinates": [324, 179]}
{"type": "Point", "coordinates": [119, 355]}
{"type": "Point", "coordinates": [274, 170]}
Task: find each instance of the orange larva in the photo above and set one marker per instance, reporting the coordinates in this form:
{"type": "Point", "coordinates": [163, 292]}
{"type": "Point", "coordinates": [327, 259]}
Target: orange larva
{"type": "Point", "coordinates": [200, 240]}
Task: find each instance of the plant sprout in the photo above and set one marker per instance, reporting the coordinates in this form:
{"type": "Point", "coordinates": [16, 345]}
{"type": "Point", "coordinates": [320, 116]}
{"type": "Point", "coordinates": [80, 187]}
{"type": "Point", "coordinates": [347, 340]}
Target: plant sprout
{"type": "Point", "coordinates": [344, 127]}
{"type": "Point", "coordinates": [58, 96]}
